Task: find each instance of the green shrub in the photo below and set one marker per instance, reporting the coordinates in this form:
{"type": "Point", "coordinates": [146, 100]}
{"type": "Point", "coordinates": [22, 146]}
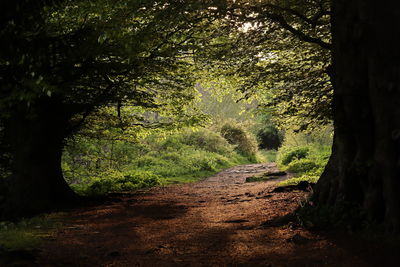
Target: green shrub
{"type": "Point", "coordinates": [118, 182]}
{"type": "Point", "coordinates": [207, 140]}
{"type": "Point", "coordinates": [292, 154]}
{"type": "Point", "coordinates": [305, 154]}
{"type": "Point", "coordinates": [98, 187]}
{"type": "Point", "coordinates": [302, 165]}
{"type": "Point", "coordinates": [172, 143]}
{"type": "Point", "coordinates": [245, 143]}
{"type": "Point", "coordinates": [269, 137]}
{"type": "Point", "coordinates": [171, 156]}
{"type": "Point", "coordinates": [312, 160]}
{"type": "Point", "coordinates": [94, 167]}
{"type": "Point", "coordinates": [147, 161]}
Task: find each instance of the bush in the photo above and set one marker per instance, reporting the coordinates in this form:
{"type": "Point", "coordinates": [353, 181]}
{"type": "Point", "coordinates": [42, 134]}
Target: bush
{"type": "Point", "coordinates": [302, 166]}
{"type": "Point", "coordinates": [98, 167]}
{"type": "Point", "coordinates": [292, 154]}
{"type": "Point", "coordinates": [245, 143]}
{"type": "Point", "coordinates": [119, 182]}
{"type": "Point", "coordinates": [305, 154]}
{"type": "Point", "coordinates": [309, 160]}
{"type": "Point", "coordinates": [207, 140]}
{"type": "Point", "coordinates": [267, 132]}
{"type": "Point", "coordinates": [269, 137]}
{"type": "Point", "coordinates": [171, 143]}
{"type": "Point", "coordinates": [147, 161]}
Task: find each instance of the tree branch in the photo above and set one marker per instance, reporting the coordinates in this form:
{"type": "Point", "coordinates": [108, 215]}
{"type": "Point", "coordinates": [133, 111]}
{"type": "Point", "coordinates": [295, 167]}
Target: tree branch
{"type": "Point", "coordinates": [301, 35]}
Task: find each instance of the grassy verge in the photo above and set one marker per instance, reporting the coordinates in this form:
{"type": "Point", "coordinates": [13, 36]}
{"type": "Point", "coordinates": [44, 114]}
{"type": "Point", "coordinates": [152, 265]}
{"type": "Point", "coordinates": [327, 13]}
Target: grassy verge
{"type": "Point", "coordinates": [269, 155]}
{"type": "Point", "coordinates": [28, 233]}
{"type": "Point", "coordinates": [158, 159]}
{"type": "Point", "coordinates": [304, 155]}
{"type": "Point", "coordinates": [306, 162]}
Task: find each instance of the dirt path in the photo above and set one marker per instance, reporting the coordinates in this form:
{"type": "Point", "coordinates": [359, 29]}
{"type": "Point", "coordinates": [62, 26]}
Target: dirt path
{"type": "Point", "coordinates": [215, 222]}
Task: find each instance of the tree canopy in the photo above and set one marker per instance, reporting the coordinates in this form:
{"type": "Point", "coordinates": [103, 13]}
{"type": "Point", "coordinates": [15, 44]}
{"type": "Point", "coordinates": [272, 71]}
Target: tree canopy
{"type": "Point", "coordinates": [280, 50]}
{"type": "Point", "coordinates": [68, 59]}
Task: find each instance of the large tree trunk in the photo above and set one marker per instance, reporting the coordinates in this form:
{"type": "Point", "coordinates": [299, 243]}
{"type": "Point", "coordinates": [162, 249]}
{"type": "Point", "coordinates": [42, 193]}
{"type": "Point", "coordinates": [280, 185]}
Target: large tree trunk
{"type": "Point", "coordinates": [36, 136]}
{"type": "Point", "coordinates": [365, 164]}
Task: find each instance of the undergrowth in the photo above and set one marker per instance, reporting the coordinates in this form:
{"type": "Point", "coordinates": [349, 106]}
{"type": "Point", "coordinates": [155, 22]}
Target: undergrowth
{"type": "Point", "coordinates": [97, 167]}
{"type": "Point", "coordinates": [116, 181]}
{"type": "Point", "coordinates": [305, 155]}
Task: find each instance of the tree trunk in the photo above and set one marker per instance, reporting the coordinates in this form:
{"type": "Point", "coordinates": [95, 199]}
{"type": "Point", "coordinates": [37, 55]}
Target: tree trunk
{"type": "Point", "coordinates": [36, 137]}
{"type": "Point", "coordinates": [365, 164]}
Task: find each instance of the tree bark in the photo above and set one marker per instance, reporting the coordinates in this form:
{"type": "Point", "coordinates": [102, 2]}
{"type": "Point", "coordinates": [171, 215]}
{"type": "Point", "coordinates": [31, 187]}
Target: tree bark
{"type": "Point", "coordinates": [36, 135]}
{"type": "Point", "coordinates": [364, 167]}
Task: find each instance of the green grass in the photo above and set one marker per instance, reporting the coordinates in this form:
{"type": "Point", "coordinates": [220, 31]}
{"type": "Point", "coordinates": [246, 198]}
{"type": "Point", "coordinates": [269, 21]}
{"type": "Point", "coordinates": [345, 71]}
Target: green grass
{"type": "Point", "coordinates": [19, 239]}
{"type": "Point", "coordinates": [182, 157]}
{"type": "Point", "coordinates": [305, 154]}
{"type": "Point", "coordinates": [28, 233]}
{"type": "Point", "coordinates": [117, 181]}
{"type": "Point", "coordinates": [269, 155]}
{"type": "Point", "coordinates": [290, 154]}
{"type": "Point", "coordinates": [303, 166]}
{"type": "Point", "coordinates": [306, 162]}
{"type": "Point", "coordinates": [188, 178]}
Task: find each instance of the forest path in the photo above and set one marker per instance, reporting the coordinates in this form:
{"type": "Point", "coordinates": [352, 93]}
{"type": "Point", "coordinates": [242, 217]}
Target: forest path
{"type": "Point", "coordinates": [214, 222]}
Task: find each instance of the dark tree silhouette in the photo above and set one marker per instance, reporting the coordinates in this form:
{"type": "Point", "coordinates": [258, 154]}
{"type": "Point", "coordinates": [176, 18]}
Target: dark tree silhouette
{"type": "Point", "coordinates": [59, 63]}
{"type": "Point", "coordinates": [364, 168]}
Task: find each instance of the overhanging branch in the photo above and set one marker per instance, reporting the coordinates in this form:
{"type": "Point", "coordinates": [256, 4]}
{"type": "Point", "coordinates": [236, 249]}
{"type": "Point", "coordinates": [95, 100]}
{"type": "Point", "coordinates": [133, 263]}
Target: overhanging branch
{"type": "Point", "coordinates": [301, 35]}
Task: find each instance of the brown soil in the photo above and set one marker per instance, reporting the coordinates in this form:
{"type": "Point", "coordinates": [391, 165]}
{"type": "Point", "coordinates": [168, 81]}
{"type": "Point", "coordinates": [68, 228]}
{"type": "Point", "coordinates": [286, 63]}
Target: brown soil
{"type": "Point", "coordinates": [215, 222]}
